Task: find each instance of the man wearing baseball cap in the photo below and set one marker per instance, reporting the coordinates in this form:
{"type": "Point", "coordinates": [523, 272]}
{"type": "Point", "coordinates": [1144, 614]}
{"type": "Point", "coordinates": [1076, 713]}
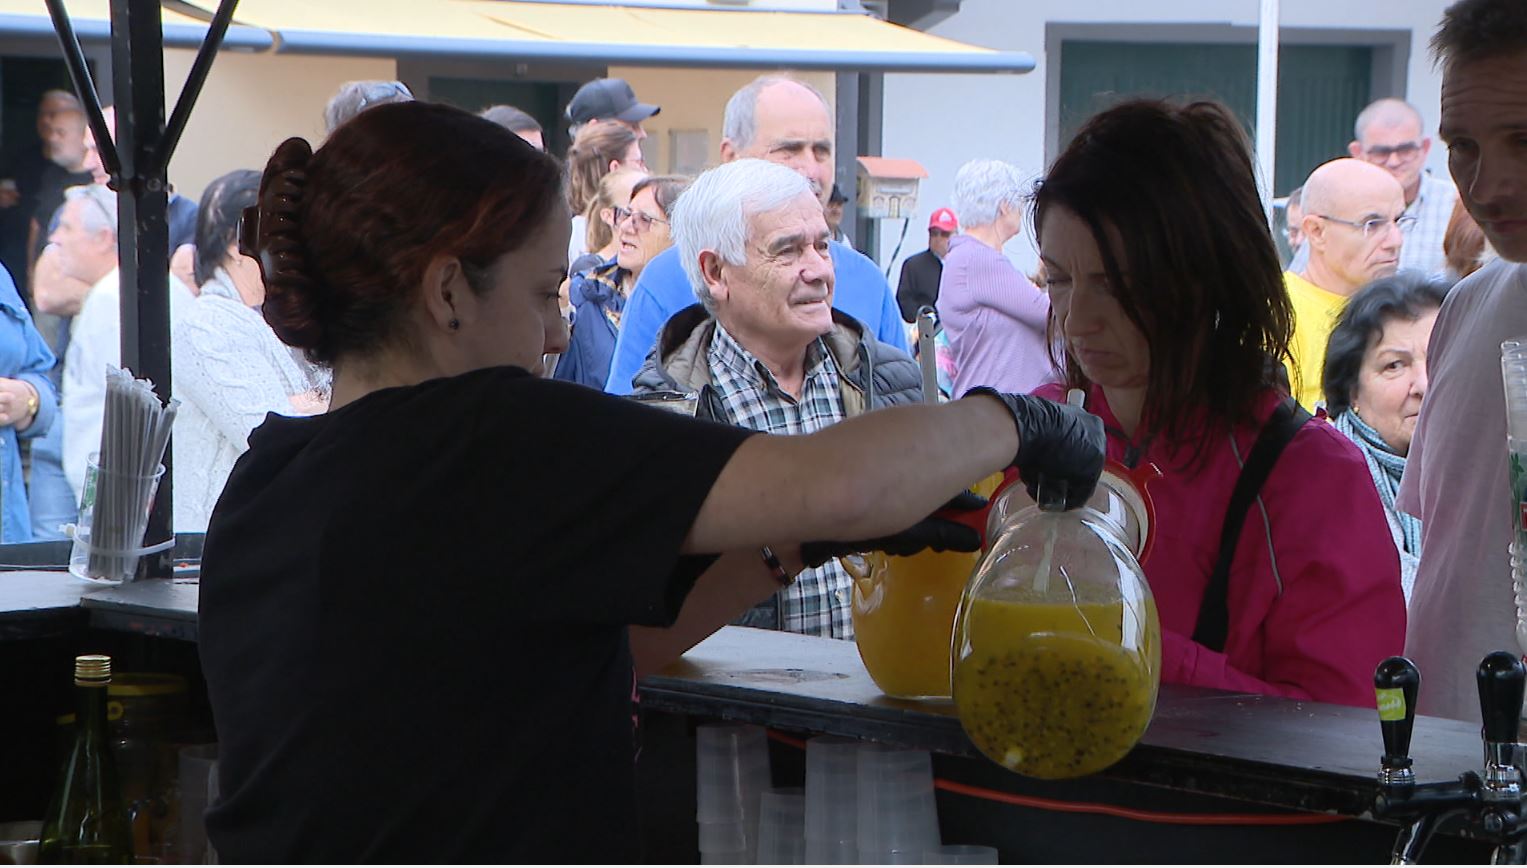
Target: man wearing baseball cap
{"type": "Point", "coordinates": [609, 99]}
{"type": "Point", "coordinates": [920, 273]}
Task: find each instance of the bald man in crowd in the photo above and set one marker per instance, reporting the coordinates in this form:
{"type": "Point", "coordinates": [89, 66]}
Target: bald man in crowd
{"type": "Point", "coordinates": [1354, 221]}
{"type": "Point", "coordinates": [1390, 133]}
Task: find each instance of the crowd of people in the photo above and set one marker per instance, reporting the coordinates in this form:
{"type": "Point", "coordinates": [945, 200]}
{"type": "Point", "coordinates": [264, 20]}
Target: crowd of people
{"type": "Point", "coordinates": [434, 263]}
{"type": "Point", "coordinates": [431, 261]}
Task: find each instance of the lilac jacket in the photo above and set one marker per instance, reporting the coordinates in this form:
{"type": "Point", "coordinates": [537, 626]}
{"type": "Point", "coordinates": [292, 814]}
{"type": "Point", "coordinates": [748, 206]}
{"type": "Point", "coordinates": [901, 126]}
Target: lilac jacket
{"type": "Point", "coordinates": [995, 319]}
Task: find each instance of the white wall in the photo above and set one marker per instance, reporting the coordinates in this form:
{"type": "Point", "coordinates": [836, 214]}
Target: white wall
{"type": "Point", "coordinates": [945, 120]}
{"type": "Point", "coordinates": [250, 104]}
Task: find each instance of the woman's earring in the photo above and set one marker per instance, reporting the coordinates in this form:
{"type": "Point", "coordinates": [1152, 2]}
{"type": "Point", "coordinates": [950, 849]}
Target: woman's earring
{"type": "Point", "coordinates": [455, 324]}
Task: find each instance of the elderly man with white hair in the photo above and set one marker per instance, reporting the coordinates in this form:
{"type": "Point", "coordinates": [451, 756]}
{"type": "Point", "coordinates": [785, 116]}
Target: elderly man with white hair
{"type": "Point", "coordinates": [994, 316]}
{"type": "Point", "coordinates": [790, 123]}
{"type": "Point", "coordinates": [765, 349]}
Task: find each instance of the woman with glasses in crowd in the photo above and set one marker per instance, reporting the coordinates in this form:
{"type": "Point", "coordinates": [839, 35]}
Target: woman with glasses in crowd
{"type": "Point", "coordinates": [415, 606]}
{"type": "Point", "coordinates": [1168, 300]}
{"type": "Point", "coordinates": [598, 296]}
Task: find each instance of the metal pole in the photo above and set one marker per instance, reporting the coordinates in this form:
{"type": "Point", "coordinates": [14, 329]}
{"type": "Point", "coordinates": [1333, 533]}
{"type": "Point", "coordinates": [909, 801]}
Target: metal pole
{"type": "Point", "coordinates": [143, 241]}
{"type": "Point", "coordinates": [1267, 101]}
{"type": "Point", "coordinates": [198, 77]}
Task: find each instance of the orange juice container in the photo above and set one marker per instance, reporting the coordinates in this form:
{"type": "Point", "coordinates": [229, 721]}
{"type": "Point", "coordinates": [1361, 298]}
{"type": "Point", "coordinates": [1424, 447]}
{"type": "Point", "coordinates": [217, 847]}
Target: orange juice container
{"type": "Point", "coordinates": [1056, 655]}
{"type": "Point", "coordinates": [904, 617]}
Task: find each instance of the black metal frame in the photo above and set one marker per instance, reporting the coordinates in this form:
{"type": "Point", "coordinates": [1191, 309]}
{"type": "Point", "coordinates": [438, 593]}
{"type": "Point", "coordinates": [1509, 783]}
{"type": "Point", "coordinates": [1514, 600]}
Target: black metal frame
{"type": "Point", "coordinates": [137, 163]}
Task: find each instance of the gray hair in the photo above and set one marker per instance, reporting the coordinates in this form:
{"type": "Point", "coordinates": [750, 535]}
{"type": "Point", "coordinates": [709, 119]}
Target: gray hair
{"type": "Point", "coordinates": [355, 97]}
{"type": "Point", "coordinates": [981, 187]}
{"type": "Point", "coordinates": [98, 207]}
{"type": "Point", "coordinates": [1388, 112]}
{"type": "Point", "coordinates": [740, 122]}
{"type": "Point", "coordinates": [713, 213]}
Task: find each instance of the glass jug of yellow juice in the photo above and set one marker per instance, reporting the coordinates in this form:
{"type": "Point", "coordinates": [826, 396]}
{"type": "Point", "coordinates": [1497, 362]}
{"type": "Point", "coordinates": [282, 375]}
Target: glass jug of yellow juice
{"type": "Point", "coordinates": [1057, 647]}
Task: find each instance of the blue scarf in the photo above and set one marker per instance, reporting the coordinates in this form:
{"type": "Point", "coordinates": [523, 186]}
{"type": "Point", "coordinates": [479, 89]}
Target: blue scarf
{"type": "Point", "coordinates": [1386, 468]}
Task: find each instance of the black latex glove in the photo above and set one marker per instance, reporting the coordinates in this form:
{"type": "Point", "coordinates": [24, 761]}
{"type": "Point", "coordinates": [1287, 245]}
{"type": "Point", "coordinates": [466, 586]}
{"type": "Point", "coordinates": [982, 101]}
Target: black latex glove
{"type": "Point", "coordinates": [938, 534]}
{"type": "Point", "coordinates": [1057, 443]}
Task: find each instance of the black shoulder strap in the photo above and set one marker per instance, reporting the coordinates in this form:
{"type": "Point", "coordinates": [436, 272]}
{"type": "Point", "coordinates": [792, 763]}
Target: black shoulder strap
{"type": "Point", "coordinates": [1213, 613]}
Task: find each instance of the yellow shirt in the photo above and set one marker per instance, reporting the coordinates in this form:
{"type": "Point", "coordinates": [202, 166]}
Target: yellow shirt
{"type": "Point", "coordinates": [1315, 314]}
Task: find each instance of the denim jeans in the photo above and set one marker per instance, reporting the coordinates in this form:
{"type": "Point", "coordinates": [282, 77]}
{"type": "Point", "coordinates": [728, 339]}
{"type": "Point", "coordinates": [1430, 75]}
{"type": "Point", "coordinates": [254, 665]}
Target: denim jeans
{"type": "Point", "coordinates": [50, 497]}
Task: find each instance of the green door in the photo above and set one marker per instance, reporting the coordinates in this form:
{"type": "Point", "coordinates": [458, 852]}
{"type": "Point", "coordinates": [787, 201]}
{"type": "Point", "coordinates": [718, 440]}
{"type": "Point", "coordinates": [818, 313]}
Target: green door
{"type": "Point", "coordinates": [1321, 88]}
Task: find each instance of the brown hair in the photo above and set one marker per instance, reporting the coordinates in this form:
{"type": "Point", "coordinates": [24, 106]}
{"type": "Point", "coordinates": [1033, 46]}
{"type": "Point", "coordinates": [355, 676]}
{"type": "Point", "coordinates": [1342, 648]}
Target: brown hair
{"type": "Point", "coordinates": [1479, 29]}
{"type": "Point", "coordinates": [588, 160]}
{"type": "Point", "coordinates": [344, 235]}
{"type": "Point", "coordinates": [666, 189]}
{"type": "Point", "coordinates": [1203, 282]}
{"type": "Point", "coordinates": [1463, 242]}
{"type": "Point", "coordinates": [599, 233]}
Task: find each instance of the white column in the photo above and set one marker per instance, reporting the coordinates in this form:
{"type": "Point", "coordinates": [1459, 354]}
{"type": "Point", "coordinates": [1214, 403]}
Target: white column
{"type": "Point", "coordinates": [1267, 99]}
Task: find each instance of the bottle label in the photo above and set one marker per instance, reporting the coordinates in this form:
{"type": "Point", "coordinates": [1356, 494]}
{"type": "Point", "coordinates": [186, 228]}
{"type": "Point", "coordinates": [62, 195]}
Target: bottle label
{"type": "Point", "coordinates": [1391, 703]}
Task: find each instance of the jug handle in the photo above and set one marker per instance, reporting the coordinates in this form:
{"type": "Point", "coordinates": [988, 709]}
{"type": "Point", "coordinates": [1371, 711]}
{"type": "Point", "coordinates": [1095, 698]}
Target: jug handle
{"type": "Point", "coordinates": [859, 569]}
{"type": "Point", "coordinates": [1142, 476]}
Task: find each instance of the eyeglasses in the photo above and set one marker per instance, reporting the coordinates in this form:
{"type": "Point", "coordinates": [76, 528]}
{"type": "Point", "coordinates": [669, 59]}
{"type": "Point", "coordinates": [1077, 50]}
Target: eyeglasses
{"type": "Point", "coordinates": [390, 91]}
{"type": "Point", "coordinates": [1382, 153]}
{"type": "Point", "coordinates": [643, 220]}
{"type": "Point", "coordinates": [1376, 224]}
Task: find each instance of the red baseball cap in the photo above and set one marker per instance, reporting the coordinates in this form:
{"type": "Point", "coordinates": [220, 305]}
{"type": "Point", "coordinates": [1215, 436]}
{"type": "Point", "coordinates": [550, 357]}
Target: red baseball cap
{"type": "Point", "coordinates": [944, 219]}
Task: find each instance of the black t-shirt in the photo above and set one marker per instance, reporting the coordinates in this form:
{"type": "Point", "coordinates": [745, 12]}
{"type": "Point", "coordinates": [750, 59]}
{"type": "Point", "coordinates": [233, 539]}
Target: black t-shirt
{"type": "Point", "coordinates": [919, 284]}
{"type": "Point", "coordinates": [413, 620]}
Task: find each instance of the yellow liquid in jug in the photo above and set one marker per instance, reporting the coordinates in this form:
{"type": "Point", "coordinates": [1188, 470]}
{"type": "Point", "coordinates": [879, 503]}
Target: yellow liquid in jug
{"type": "Point", "coordinates": [1049, 691]}
{"type": "Point", "coordinates": [904, 623]}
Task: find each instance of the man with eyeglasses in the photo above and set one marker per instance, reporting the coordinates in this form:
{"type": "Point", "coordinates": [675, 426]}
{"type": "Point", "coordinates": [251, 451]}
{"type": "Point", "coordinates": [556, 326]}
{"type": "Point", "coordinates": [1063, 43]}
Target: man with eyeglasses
{"type": "Point", "coordinates": [1389, 133]}
{"type": "Point", "coordinates": [788, 122]}
{"type": "Point", "coordinates": [1354, 223]}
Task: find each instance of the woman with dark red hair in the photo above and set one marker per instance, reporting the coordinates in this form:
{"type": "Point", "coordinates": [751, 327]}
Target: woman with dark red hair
{"type": "Point", "coordinates": [415, 607]}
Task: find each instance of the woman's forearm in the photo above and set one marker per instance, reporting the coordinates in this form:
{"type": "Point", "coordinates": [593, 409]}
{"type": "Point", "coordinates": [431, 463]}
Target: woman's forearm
{"type": "Point", "coordinates": [864, 478]}
{"type": "Point", "coordinates": [736, 582]}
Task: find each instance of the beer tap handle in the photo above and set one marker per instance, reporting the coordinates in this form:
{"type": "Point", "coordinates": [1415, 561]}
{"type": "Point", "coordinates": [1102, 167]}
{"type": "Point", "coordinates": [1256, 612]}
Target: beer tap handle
{"type": "Point", "coordinates": [1501, 678]}
{"type": "Point", "coordinates": [1396, 683]}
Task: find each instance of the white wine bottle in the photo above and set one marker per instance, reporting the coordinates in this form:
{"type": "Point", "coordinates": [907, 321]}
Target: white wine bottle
{"type": "Point", "coordinates": [87, 821]}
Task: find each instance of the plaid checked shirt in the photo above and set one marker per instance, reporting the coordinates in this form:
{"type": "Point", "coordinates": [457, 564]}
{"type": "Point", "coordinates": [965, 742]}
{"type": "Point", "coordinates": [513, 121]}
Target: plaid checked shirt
{"type": "Point", "coordinates": [820, 601]}
{"type": "Point", "coordinates": [1432, 209]}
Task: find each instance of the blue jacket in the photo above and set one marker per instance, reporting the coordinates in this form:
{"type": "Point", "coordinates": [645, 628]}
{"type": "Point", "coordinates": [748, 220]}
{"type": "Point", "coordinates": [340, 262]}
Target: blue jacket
{"type": "Point", "coordinates": [663, 290]}
{"type": "Point", "coordinates": [594, 295]}
{"type": "Point", "coordinates": [23, 356]}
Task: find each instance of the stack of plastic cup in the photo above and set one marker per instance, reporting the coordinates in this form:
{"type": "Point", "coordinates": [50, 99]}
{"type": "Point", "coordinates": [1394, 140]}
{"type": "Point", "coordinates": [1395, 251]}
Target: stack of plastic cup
{"type": "Point", "coordinates": [781, 827]}
{"type": "Point", "coordinates": [1513, 362]}
{"type": "Point", "coordinates": [732, 764]}
{"type": "Point", "coordinates": [832, 803]}
{"type": "Point", "coordinates": [898, 818]}
{"type": "Point", "coordinates": [960, 854]}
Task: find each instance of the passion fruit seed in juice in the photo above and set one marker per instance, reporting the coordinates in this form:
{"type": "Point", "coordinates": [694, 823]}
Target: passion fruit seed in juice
{"type": "Point", "coordinates": [1047, 689]}
{"type": "Point", "coordinates": [903, 626]}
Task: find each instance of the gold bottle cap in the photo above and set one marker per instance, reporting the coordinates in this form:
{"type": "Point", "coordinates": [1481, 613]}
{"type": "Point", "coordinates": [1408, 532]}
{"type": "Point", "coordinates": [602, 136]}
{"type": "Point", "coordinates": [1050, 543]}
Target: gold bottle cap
{"type": "Point", "coordinates": [92, 670]}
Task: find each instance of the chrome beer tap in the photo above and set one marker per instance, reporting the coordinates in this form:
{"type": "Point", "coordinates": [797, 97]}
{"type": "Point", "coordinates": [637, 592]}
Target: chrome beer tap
{"type": "Point", "coordinates": [1488, 806]}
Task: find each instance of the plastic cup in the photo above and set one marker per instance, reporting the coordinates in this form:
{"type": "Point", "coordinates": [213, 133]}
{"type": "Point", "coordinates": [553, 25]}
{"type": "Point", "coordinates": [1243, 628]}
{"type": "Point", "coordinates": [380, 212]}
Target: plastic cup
{"type": "Point", "coordinates": [731, 773]}
{"type": "Point", "coordinates": [960, 854]}
{"type": "Point", "coordinates": [832, 801]}
{"type": "Point", "coordinates": [898, 817]}
{"type": "Point", "coordinates": [110, 553]}
{"type": "Point", "coordinates": [198, 763]}
{"type": "Point", "coordinates": [736, 857]}
{"type": "Point", "coordinates": [19, 841]}
{"type": "Point", "coordinates": [781, 824]}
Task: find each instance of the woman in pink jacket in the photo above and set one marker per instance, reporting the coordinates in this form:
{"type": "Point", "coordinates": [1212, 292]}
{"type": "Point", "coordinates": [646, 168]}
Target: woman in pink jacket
{"type": "Point", "coordinates": [1166, 292]}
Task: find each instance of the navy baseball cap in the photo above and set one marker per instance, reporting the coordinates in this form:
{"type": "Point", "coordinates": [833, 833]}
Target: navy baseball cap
{"type": "Point", "coordinates": [608, 99]}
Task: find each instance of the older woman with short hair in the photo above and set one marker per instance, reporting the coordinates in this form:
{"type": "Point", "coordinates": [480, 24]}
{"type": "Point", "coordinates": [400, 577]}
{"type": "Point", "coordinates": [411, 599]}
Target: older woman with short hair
{"type": "Point", "coordinates": [994, 316]}
{"type": "Point", "coordinates": [1375, 378]}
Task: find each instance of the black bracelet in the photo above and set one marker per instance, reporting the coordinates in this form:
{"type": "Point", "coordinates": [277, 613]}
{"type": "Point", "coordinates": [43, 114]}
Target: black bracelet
{"type": "Point", "coordinates": [784, 579]}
